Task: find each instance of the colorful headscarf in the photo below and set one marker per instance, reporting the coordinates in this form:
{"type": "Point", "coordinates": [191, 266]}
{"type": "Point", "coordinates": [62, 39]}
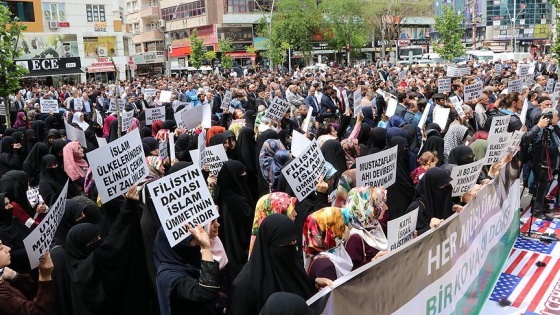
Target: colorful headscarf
{"type": "Point", "coordinates": [346, 182]}
{"type": "Point", "coordinates": [276, 202]}
{"type": "Point", "coordinates": [266, 157]}
{"type": "Point", "coordinates": [351, 151]}
{"type": "Point", "coordinates": [321, 229]}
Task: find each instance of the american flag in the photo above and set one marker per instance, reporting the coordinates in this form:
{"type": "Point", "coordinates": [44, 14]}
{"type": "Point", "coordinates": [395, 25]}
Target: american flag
{"type": "Point", "coordinates": [524, 284]}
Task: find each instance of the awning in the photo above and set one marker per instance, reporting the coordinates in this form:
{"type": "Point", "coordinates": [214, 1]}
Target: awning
{"type": "Point", "coordinates": [100, 69]}
{"type": "Point", "coordinates": [240, 55]}
{"type": "Point", "coordinates": [50, 73]}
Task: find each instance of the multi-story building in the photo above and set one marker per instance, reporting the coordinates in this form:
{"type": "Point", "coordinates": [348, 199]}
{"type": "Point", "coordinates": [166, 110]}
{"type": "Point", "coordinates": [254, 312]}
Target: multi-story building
{"type": "Point", "coordinates": [72, 40]}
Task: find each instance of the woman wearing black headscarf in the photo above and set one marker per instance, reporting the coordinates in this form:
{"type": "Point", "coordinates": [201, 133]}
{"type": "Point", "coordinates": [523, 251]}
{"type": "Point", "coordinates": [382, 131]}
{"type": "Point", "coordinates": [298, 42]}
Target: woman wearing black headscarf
{"type": "Point", "coordinates": [52, 180]}
{"type": "Point", "coordinates": [52, 122]}
{"type": "Point", "coordinates": [237, 211]}
{"type": "Point", "coordinates": [41, 130]}
{"type": "Point", "coordinates": [57, 149]}
{"type": "Point", "coordinates": [113, 132]}
{"type": "Point", "coordinates": [364, 134]}
{"type": "Point", "coordinates": [400, 194]}
{"type": "Point", "coordinates": [284, 303]}
{"type": "Point", "coordinates": [10, 156]}
{"type": "Point", "coordinates": [183, 145]}
{"type": "Point", "coordinates": [12, 233]}
{"type": "Point", "coordinates": [28, 141]}
{"type": "Point", "coordinates": [274, 266]}
{"type": "Point", "coordinates": [433, 198]}
{"type": "Point", "coordinates": [247, 146]}
{"type": "Point", "coordinates": [334, 153]}
{"type": "Point", "coordinates": [32, 164]}
{"type": "Point", "coordinates": [187, 275]}
{"type": "Point", "coordinates": [108, 276]}
{"type": "Point", "coordinates": [15, 184]}
{"type": "Point", "coordinates": [377, 140]}
{"type": "Point", "coordinates": [434, 143]}
{"type": "Point", "coordinates": [228, 140]}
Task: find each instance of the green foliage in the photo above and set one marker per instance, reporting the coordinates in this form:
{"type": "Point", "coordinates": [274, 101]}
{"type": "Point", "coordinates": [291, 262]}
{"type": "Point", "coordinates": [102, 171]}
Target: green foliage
{"type": "Point", "coordinates": [10, 50]}
{"type": "Point", "coordinates": [197, 54]}
{"type": "Point", "coordinates": [209, 55]}
{"type": "Point", "coordinates": [450, 34]}
{"type": "Point", "coordinates": [225, 46]}
{"type": "Point", "coordinates": [345, 22]}
{"type": "Point", "coordinates": [556, 46]}
{"type": "Point", "coordinates": [250, 50]}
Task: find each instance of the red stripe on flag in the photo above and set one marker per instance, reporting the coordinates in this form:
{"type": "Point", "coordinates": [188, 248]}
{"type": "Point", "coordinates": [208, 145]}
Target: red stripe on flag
{"type": "Point", "coordinates": [545, 286]}
{"type": "Point", "coordinates": [544, 226]}
{"type": "Point", "coordinates": [529, 285]}
{"type": "Point", "coordinates": [517, 260]}
{"type": "Point", "coordinates": [528, 265]}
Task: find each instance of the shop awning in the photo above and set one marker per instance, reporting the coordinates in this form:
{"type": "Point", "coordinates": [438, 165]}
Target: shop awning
{"type": "Point", "coordinates": [101, 69]}
{"type": "Point", "coordinates": [50, 73]}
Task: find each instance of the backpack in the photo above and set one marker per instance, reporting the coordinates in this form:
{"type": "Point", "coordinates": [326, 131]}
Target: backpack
{"type": "Point", "coordinates": [490, 114]}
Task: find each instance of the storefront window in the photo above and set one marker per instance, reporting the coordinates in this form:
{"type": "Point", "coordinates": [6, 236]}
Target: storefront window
{"type": "Point", "coordinates": [22, 9]}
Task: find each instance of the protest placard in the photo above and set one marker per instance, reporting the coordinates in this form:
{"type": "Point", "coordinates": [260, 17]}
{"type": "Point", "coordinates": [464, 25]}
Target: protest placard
{"type": "Point", "coordinates": [38, 242]}
{"type": "Point", "coordinates": [357, 101]}
{"type": "Point", "coordinates": [154, 114]}
{"type": "Point", "coordinates": [498, 67]}
{"type": "Point", "coordinates": [162, 150]}
{"type": "Point", "coordinates": [165, 96]}
{"type": "Point", "coordinates": [78, 104]}
{"type": "Point", "coordinates": [423, 118]}
{"type": "Point", "coordinates": [441, 114]}
{"type": "Point", "coordinates": [277, 109]}
{"type": "Point", "coordinates": [307, 120]}
{"type": "Point", "coordinates": [98, 117]}
{"type": "Point", "coordinates": [472, 91]}
{"type": "Point", "coordinates": [126, 117]}
{"type": "Point", "coordinates": [464, 177]}
{"type": "Point", "coordinates": [514, 141]}
{"type": "Point", "coordinates": [299, 143]}
{"type": "Point", "coordinates": [3, 109]}
{"type": "Point", "coordinates": [458, 105]}
{"type": "Point", "coordinates": [34, 197]}
{"type": "Point", "coordinates": [303, 172]}
{"type": "Point", "coordinates": [214, 156]}
{"type": "Point", "coordinates": [172, 146]}
{"type": "Point", "coordinates": [101, 141]}
{"type": "Point", "coordinates": [498, 140]}
{"type": "Point", "coordinates": [75, 134]}
{"type": "Point", "coordinates": [549, 86]}
{"type": "Point", "coordinates": [499, 124]}
{"type": "Point", "coordinates": [444, 85]}
{"type": "Point", "coordinates": [378, 169]}
{"type": "Point", "coordinates": [228, 95]}
{"type": "Point", "coordinates": [118, 165]}
{"type": "Point", "coordinates": [113, 105]}
{"type": "Point", "coordinates": [524, 109]}
{"type": "Point", "coordinates": [149, 92]}
{"type": "Point", "coordinates": [48, 106]}
{"type": "Point", "coordinates": [528, 80]}
{"type": "Point", "coordinates": [465, 71]}
{"type": "Point", "coordinates": [555, 93]}
{"type": "Point", "coordinates": [523, 69]}
{"type": "Point", "coordinates": [515, 85]}
{"type": "Point", "coordinates": [180, 198]}
{"type": "Point", "coordinates": [401, 229]}
{"type": "Point", "coordinates": [453, 72]}
{"type": "Point", "coordinates": [193, 117]}
{"type": "Point", "coordinates": [202, 148]}
{"type": "Point", "coordinates": [382, 94]}
{"type": "Point", "coordinates": [391, 107]}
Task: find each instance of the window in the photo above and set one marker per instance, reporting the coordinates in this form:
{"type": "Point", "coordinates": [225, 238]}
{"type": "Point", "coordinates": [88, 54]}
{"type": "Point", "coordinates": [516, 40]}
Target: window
{"type": "Point", "coordinates": [138, 48]}
{"type": "Point", "coordinates": [184, 11]}
{"type": "Point", "coordinates": [153, 3]}
{"type": "Point", "coordinates": [155, 46]}
{"type": "Point", "coordinates": [132, 7]}
{"type": "Point", "coordinates": [95, 13]}
{"type": "Point", "coordinates": [22, 9]}
{"type": "Point", "coordinates": [135, 28]}
{"type": "Point", "coordinates": [151, 26]}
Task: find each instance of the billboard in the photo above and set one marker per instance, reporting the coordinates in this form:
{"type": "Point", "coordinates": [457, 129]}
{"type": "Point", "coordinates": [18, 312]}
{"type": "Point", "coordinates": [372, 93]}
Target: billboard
{"type": "Point", "coordinates": [41, 46]}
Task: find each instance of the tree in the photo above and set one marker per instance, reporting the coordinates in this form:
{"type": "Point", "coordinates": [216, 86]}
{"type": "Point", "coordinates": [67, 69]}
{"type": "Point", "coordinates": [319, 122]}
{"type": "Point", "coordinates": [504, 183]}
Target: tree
{"type": "Point", "coordinates": [209, 56]}
{"type": "Point", "coordinates": [556, 47]}
{"type": "Point", "coordinates": [450, 34]}
{"type": "Point", "coordinates": [197, 50]}
{"type": "Point", "coordinates": [225, 46]}
{"type": "Point", "coordinates": [346, 23]}
{"type": "Point", "coordinates": [10, 50]}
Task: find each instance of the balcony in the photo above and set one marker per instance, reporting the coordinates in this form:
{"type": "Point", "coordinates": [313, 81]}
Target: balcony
{"type": "Point", "coordinates": [148, 35]}
{"type": "Point", "coordinates": [149, 11]}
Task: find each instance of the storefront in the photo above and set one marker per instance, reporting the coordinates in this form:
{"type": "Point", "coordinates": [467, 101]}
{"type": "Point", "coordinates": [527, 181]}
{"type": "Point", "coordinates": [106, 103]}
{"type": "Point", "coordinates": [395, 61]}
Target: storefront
{"type": "Point", "coordinates": [102, 70]}
{"type": "Point", "coordinates": [53, 71]}
{"type": "Point", "coordinates": [150, 63]}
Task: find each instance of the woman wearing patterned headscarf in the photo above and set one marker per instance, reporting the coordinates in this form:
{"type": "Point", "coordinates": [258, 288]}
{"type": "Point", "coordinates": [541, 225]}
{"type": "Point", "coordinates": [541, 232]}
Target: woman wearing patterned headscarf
{"type": "Point", "coordinates": [345, 184]}
{"type": "Point", "coordinates": [454, 137]}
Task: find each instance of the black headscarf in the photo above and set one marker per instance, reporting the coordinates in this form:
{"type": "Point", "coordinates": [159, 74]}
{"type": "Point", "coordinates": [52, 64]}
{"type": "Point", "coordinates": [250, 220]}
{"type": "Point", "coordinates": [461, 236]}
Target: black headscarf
{"type": "Point", "coordinates": [52, 122]}
{"type": "Point", "coordinates": [72, 211]}
{"type": "Point", "coordinates": [377, 140]}
{"type": "Point", "coordinates": [113, 130]}
{"type": "Point", "coordinates": [178, 166]}
{"type": "Point", "coordinates": [15, 184]}
{"type": "Point", "coordinates": [183, 145]}
{"type": "Point", "coordinates": [364, 134]}
{"type": "Point", "coordinates": [9, 131]}
{"type": "Point", "coordinates": [18, 135]}
{"type": "Point", "coordinates": [29, 140]}
{"type": "Point", "coordinates": [401, 193]}
{"type": "Point", "coordinates": [170, 125]}
{"type": "Point", "coordinates": [334, 153]}
{"type": "Point", "coordinates": [7, 145]}
{"type": "Point", "coordinates": [461, 155]}
{"type": "Point", "coordinates": [250, 118]}
{"type": "Point", "coordinates": [40, 130]}
{"type": "Point", "coordinates": [52, 180]}
{"type": "Point", "coordinates": [12, 233]}
{"type": "Point", "coordinates": [221, 138]}
{"type": "Point", "coordinates": [437, 200]}
{"type": "Point", "coordinates": [274, 266]}
{"type": "Point", "coordinates": [411, 133]}
{"type": "Point", "coordinates": [32, 164]}
{"type": "Point", "coordinates": [433, 129]}
{"type": "Point", "coordinates": [434, 144]}
{"type": "Point", "coordinates": [284, 303]}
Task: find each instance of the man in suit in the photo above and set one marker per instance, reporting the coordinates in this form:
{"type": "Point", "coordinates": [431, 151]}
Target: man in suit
{"type": "Point", "coordinates": [141, 103]}
{"type": "Point", "coordinates": [311, 102]}
{"type": "Point", "coordinates": [252, 98]}
{"type": "Point", "coordinates": [217, 102]}
{"type": "Point", "coordinates": [328, 106]}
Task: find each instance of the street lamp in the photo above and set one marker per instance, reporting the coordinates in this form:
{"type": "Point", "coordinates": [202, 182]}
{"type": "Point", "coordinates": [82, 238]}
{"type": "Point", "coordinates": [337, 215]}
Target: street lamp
{"type": "Point", "coordinates": [268, 20]}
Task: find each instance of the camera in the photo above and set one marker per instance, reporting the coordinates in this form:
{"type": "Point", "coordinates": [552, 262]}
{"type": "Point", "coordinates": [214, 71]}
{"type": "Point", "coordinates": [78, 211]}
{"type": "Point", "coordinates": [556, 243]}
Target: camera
{"type": "Point", "coordinates": [548, 115]}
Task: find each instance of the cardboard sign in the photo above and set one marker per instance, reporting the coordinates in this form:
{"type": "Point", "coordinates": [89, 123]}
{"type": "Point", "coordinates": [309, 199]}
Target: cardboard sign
{"type": "Point", "coordinates": [228, 95]}
{"type": "Point", "coordinates": [38, 242]}
{"type": "Point", "coordinates": [378, 169]}
{"type": "Point", "coordinates": [78, 104]}
{"type": "Point", "coordinates": [48, 106]}
{"type": "Point", "coordinates": [180, 198]}
{"type": "Point", "coordinates": [549, 86]}
{"type": "Point", "coordinates": [391, 107]}
{"type": "Point", "coordinates": [202, 148]}
{"type": "Point", "coordinates": [214, 156]}
{"type": "Point", "coordinates": [277, 109]}
{"type": "Point", "coordinates": [424, 117]}
{"type": "Point", "coordinates": [453, 72]}
{"type": "Point", "coordinates": [101, 141]}
{"type": "Point", "coordinates": [193, 117]}
{"type": "Point", "coordinates": [154, 114]}
{"type": "Point", "coordinates": [515, 85]}
{"type": "Point", "coordinates": [162, 150]}
{"type": "Point", "coordinates": [118, 165]}
{"type": "Point", "coordinates": [126, 117]}
{"type": "Point", "coordinates": [172, 146]}
{"type": "Point", "coordinates": [113, 105]}
{"type": "Point", "coordinates": [299, 143]}
{"type": "Point", "coordinates": [465, 177]}
{"type": "Point", "coordinates": [149, 92]}
{"type": "Point", "coordinates": [357, 101]}
{"type": "Point", "coordinates": [303, 172]}
{"type": "Point", "coordinates": [444, 85]}
{"type": "Point", "coordinates": [441, 114]}
{"type": "Point", "coordinates": [165, 96]}
{"type": "Point", "coordinates": [75, 134]}
{"type": "Point", "coordinates": [401, 229]}
{"type": "Point", "coordinates": [472, 91]}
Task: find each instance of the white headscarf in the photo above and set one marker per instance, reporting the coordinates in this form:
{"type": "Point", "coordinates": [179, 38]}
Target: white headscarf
{"type": "Point", "coordinates": [76, 119]}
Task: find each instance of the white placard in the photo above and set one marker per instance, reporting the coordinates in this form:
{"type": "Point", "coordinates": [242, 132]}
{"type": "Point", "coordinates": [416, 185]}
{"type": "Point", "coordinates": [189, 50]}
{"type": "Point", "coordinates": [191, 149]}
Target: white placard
{"type": "Point", "coordinates": [382, 93]}
{"type": "Point", "coordinates": [162, 150]}
{"type": "Point", "coordinates": [453, 72]}
{"type": "Point", "coordinates": [514, 141]}
{"type": "Point", "coordinates": [75, 134]}
{"type": "Point", "coordinates": [307, 120]}
{"type": "Point", "coordinates": [425, 113]}
{"type": "Point", "coordinates": [149, 92]}
{"type": "Point", "coordinates": [464, 177]}
{"type": "Point", "coordinates": [98, 117]}
{"type": "Point", "coordinates": [165, 96]}
{"type": "Point", "coordinates": [357, 101]}
{"type": "Point", "coordinates": [465, 71]}
{"type": "Point", "coordinates": [126, 117]}
{"type": "Point", "coordinates": [498, 140]}
{"type": "Point", "coordinates": [499, 124]}
{"type": "Point", "coordinates": [515, 85]}
{"type": "Point", "coordinates": [78, 104]}
{"type": "Point", "coordinates": [378, 169]}
{"type": "Point", "coordinates": [180, 198]}
{"type": "Point", "coordinates": [549, 86]}
{"type": "Point", "coordinates": [34, 197]}
{"type": "Point", "coordinates": [48, 106]}
{"type": "Point", "coordinates": [202, 148]}
{"type": "Point", "coordinates": [113, 105]}
{"type": "Point", "coordinates": [154, 114]}
{"type": "Point", "coordinates": [345, 98]}
{"type": "Point", "coordinates": [401, 229]}
{"type": "Point", "coordinates": [192, 118]}
{"type": "Point", "coordinates": [228, 95]}
{"type": "Point", "coordinates": [523, 69]}
{"type": "Point", "coordinates": [3, 109]}
{"type": "Point", "coordinates": [214, 156]}
{"type": "Point", "coordinates": [555, 93]}
{"type": "Point", "coordinates": [498, 67]}
{"type": "Point", "coordinates": [172, 145]}
{"type": "Point", "coordinates": [444, 85]}
{"type": "Point", "coordinates": [391, 107]}
{"type": "Point", "coordinates": [299, 143]}
{"type": "Point", "coordinates": [38, 242]}
{"type": "Point", "coordinates": [303, 172]}
{"type": "Point", "coordinates": [458, 105]}
{"type": "Point", "coordinates": [523, 115]}
{"type": "Point", "coordinates": [472, 91]}
{"type": "Point", "coordinates": [277, 109]}
{"type": "Point", "coordinates": [118, 165]}
{"type": "Point", "coordinates": [101, 141]}
{"type": "Point", "coordinates": [441, 114]}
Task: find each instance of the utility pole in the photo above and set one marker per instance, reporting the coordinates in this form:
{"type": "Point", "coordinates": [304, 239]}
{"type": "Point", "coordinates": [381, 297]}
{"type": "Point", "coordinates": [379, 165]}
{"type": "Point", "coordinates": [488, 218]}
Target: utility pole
{"type": "Point", "coordinates": [474, 28]}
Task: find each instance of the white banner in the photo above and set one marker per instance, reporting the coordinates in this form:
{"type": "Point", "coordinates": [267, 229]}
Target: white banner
{"type": "Point", "coordinates": [277, 109]}
{"type": "Point", "coordinates": [165, 96]}
{"type": "Point", "coordinates": [425, 113]}
{"type": "Point", "coordinates": [113, 105]}
{"type": "Point", "coordinates": [391, 107]}
{"type": "Point", "coordinates": [118, 165]}
{"type": "Point", "coordinates": [441, 114]}
{"type": "Point", "coordinates": [498, 140]}
{"type": "Point", "coordinates": [153, 114]}
{"type": "Point", "coordinates": [192, 118]}
{"type": "Point", "coordinates": [465, 177]}
{"type": "Point", "coordinates": [303, 172]}
{"type": "Point", "coordinates": [78, 104]}
{"type": "Point", "coordinates": [453, 72]}
{"type": "Point", "coordinates": [180, 198]}
{"type": "Point", "coordinates": [126, 117]}
{"type": "Point", "coordinates": [401, 230]}
{"type": "Point", "coordinates": [515, 85]}
{"type": "Point", "coordinates": [48, 106]}
{"type": "Point", "coordinates": [378, 169]}
{"type": "Point", "coordinates": [149, 92]}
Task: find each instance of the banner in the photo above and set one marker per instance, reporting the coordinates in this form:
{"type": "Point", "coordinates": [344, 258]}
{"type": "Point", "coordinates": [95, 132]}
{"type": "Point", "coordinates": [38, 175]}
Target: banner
{"type": "Point", "coordinates": [181, 198]}
{"type": "Point", "coordinates": [453, 72]}
{"type": "Point", "coordinates": [149, 92]}
{"type": "Point", "coordinates": [448, 270]}
{"type": "Point", "coordinates": [191, 118]}
{"type": "Point", "coordinates": [378, 169]}
{"type": "Point", "coordinates": [78, 104]}
{"type": "Point", "coordinates": [118, 165]}
{"type": "Point", "coordinates": [126, 117]}
{"type": "Point", "coordinates": [498, 139]}
{"type": "Point", "coordinates": [38, 242]}
{"type": "Point", "coordinates": [154, 114]}
{"type": "Point", "coordinates": [303, 172]}
{"type": "Point", "coordinates": [277, 109]}
{"type": "Point", "coordinates": [515, 85]}
{"type": "Point", "coordinates": [49, 106]}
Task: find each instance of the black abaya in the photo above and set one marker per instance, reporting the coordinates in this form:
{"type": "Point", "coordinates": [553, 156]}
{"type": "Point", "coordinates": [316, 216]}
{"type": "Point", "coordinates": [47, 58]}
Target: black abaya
{"type": "Point", "coordinates": [32, 164]}
{"type": "Point", "coordinates": [12, 233]}
{"type": "Point", "coordinates": [401, 193]}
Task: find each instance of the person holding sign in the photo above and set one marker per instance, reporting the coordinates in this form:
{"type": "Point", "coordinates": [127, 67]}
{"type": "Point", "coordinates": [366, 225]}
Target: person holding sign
{"type": "Point", "coordinates": [13, 286]}
{"type": "Point", "coordinates": [74, 164]}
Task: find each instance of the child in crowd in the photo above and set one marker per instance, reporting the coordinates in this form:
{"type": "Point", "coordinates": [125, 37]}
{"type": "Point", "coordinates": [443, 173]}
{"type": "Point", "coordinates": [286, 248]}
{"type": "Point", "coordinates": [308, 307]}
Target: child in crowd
{"type": "Point", "coordinates": [426, 161]}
